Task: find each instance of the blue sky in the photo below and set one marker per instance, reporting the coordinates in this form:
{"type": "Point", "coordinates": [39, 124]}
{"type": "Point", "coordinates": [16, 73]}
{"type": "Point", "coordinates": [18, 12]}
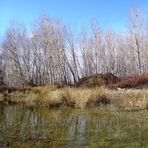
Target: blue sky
{"type": "Point", "coordinates": [111, 14]}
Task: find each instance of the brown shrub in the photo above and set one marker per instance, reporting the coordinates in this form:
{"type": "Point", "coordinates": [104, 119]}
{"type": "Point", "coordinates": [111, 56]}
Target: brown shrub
{"type": "Point", "coordinates": [134, 82]}
{"type": "Point", "coordinates": [98, 80]}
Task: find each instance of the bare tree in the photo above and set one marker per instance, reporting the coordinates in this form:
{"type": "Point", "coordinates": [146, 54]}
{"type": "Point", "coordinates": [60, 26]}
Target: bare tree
{"type": "Point", "coordinates": [136, 33]}
{"type": "Point", "coordinates": [52, 54]}
{"type": "Point", "coordinates": [2, 68]}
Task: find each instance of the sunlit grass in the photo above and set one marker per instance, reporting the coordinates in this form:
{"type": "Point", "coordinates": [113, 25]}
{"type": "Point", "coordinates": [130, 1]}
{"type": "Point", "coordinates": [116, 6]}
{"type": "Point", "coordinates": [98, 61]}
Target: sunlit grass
{"type": "Point", "coordinates": [70, 97]}
{"type": "Point", "coordinates": [1, 97]}
{"type": "Point", "coordinates": [130, 99]}
{"type": "Point", "coordinates": [52, 96]}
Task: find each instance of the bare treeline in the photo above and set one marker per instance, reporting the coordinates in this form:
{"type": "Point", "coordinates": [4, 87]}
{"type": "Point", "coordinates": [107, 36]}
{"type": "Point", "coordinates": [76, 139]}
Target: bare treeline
{"type": "Point", "coordinates": [51, 53]}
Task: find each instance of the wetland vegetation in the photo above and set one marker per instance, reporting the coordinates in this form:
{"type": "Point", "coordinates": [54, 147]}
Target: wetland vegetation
{"type": "Point", "coordinates": [28, 127]}
{"type": "Point", "coordinates": [63, 89]}
{"type": "Point", "coordinates": [91, 115]}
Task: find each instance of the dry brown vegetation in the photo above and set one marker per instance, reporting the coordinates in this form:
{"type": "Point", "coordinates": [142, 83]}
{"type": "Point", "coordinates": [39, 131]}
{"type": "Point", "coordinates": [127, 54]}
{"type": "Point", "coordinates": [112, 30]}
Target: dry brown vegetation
{"type": "Point", "coordinates": [134, 82]}
{"type": "Point", "coordinates": [89, 92]}
{"type": "Point", "coordinates": [131, 99]}
{"type": "Point", "coordinates": [53, 97]}
{"type": "Point", "coordinates": [98, 80]}
{"type": "Point", "coordinates": [69, 97]}
{"type": "Point", "coordinates": [113, 82]}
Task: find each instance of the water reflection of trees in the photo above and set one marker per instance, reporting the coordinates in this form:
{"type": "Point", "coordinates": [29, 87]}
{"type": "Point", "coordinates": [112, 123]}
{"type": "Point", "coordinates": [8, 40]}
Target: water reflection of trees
{"type": "Point", "coordinates": [70, 127]}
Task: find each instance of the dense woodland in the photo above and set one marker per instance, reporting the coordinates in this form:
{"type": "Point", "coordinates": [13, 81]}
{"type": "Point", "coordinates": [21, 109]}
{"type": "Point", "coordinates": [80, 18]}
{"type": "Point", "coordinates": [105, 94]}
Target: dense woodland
{"type": "Point", "coordinates": [51, 53]}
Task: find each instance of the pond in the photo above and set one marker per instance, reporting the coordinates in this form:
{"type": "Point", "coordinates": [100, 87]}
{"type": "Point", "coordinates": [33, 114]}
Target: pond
{"type": "Point", "coordinates": [22, 126]}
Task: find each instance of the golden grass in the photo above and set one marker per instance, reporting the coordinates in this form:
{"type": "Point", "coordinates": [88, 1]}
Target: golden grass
{"type": "Point", "coordinates": [69, 97]}
{"type": "Point", "coordinates": [1, 97]}
{"type": "Point", "coordinates": [130, 99]}
{"type": "Point", "coordinates": [51, 96]}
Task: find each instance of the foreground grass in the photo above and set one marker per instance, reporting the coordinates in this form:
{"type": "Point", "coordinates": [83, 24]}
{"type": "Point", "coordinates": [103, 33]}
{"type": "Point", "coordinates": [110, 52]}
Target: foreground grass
{"type": "Point", "coordinates": [130, 99]}
{"type": "Point", "coordinates": [68, 97]}
{"type": "Point", "coordinates": [52, 96]}
{"type": "Point", "coordinates": [1, 97]}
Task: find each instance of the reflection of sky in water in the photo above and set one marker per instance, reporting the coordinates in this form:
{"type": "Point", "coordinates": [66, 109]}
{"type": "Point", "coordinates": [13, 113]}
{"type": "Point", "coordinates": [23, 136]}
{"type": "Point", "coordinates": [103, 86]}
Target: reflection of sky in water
{"type": "Point", "coordinates": [71, 128]}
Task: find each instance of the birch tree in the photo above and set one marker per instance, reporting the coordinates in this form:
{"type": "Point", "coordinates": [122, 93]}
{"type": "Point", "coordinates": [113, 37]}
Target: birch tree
{"type": "Point", "coordinates": [136, 33]}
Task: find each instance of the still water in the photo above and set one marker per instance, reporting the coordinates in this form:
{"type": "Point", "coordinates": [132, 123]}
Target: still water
{"type": "Point", "coordinates": [67, 128]}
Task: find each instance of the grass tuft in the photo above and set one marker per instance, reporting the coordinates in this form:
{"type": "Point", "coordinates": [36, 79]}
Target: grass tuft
{"type": "Point", "coordinates": [97, 98]}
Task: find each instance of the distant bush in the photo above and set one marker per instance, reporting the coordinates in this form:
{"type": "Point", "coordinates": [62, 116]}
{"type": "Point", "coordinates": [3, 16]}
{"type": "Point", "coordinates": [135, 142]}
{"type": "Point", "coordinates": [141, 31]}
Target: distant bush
{"type": "Point", "coordinates": [134, 82]}
{"type": "Point", "coordinates": [98, 80]}
{"type": "Point", "coordinates": [95, 82]}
